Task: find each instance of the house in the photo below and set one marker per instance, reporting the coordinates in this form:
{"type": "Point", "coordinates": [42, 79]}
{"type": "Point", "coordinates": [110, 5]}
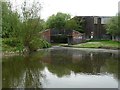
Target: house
{"type": "Point", "coordinates": [62, 36]}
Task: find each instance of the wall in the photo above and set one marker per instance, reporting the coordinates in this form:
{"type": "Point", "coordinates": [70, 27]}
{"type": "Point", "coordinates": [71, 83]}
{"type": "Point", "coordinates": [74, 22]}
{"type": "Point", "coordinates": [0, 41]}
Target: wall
{"type": "Point", "coordinates": [46, 35]}
{"type": "Point", "coordinates": [77, 37]}
{"type": "Point", "coordinates": [95, 24]}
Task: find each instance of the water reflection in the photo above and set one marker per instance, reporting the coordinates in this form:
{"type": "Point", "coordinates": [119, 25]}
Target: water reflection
{"type": "Point", "coordinates": [19, 71]}
{"type": "Point", "coordinates": [46, 67]}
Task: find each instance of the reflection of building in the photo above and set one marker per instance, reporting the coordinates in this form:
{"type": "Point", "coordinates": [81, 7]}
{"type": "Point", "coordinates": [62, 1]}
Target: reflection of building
{"type": "Point", "coordinates": [62, 61]}
{"type": "Point", "coordinates": [94, 26]}
{"type": "Point", "coordinates": [77, 56]}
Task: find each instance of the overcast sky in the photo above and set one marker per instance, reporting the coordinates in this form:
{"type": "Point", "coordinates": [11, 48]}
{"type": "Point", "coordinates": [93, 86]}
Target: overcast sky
{"type": "Point", "coordinates": [77, 7]}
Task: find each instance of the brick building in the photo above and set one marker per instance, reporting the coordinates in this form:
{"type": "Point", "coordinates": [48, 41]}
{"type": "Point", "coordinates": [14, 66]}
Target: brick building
{"type": "Point", "coordinates": [62, 36]}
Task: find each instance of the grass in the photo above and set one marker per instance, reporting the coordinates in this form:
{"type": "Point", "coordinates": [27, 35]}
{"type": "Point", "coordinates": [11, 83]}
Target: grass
{"type": "Point", "coordinates": [108, 44]}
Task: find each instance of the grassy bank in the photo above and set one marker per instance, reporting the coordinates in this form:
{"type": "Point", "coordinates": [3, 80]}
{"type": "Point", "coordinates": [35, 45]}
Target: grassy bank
{"type": "Point", "coordinates": [107, 44]}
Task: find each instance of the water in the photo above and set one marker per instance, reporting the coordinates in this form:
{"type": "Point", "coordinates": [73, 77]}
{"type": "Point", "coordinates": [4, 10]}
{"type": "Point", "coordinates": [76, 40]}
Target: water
{"type": "Point", "coordinates": [61, 68]}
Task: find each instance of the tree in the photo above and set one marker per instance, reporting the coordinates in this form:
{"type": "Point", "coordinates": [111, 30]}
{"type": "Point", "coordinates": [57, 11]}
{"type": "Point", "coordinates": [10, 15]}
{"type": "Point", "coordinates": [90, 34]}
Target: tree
{"type": "Point", "coordinates": [11, 25]}
{"type": "Point", "coordinates": [64, 21]}
{"type": "Point", "coordinates": [74, 24]}
{"type": "Point", "coordinates": [10, 21]}
{"type": "Point", "coordinates": [57, 21]}
{"type": "Point", "coordinates": [23, 28]}
{"type": "Point", "coordinates": [80, 23]}
{"type": "Point", "coordinates": [31, 27]}
{"type": "Point", "coordinates": [112, 26]}
{"type": "Point", "coordinates": [71, 25]}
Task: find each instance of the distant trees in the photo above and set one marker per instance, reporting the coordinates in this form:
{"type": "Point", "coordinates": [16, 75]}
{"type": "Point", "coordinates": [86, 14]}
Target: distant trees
{"type": "Point", "coordinates": [113, 26]}
{"type": "Point", "coordinates": [63, 21]}
{"type": "Point", "coordinates": [75, 24]}
{"type": "Point", "coordinates": [71, 25]}
{"type": "Point", "coordinates": [80, 24]}
{"type": "Point", "coordinates": [57, 21]}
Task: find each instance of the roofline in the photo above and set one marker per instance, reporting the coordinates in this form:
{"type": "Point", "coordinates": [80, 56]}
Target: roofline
{"type": "Point", "coordinates": [95, 16]}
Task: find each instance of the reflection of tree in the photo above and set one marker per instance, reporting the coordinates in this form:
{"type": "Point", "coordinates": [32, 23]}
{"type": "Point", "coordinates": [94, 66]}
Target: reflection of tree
{"type": "Point", "coordinates": [119, 68]}
{"type": "Point", "coordinates": [59, 63]}
{"type": "Point", "coordinates": [19, 71]}
{"type": "Point", "coordinates": [98, 62]}
{"type": "Point", "coordinates": [112, 66]}
{"type": "Point", "coordinates": [32, 73]}
{"type": "Point", "coordinates": [12, 70]}
{"type": "Point", "coordinates": [58, 70]}
{"type": "Point", "coordinates": [62, 64]}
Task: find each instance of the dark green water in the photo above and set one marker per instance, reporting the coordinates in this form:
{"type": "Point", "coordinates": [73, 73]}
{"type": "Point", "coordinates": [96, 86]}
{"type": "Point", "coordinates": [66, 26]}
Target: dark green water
{"type": "Point", "coordinates": [61, 68]}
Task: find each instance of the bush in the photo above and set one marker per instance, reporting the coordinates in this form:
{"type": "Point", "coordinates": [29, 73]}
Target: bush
{"type": "Point", "coordinates": [45, 44]}
{"type": "Point", "coordinates": [38, 43]}
{"type": "Point", "coordinates": [11, 42]}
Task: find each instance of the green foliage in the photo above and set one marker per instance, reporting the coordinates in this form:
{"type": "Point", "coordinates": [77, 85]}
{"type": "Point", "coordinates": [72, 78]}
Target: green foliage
{"type": "Point", "coordinates": [11, 26]}
{"type": "Point", "coordinates": [57, 21]}
{"type": "Point", "coordinates": [31, 28]}
{"type": "Point", "coordinates": [79, 24]}
{"type": "Point", "coordinates": [12, 44]}
{"type": "Point", "coordinates": [112, 26]}
{"type": "Point", "coordinates": [5, 20]}
{"type": "Point", "coordinates": [64, 21]}
{"type": "Point", "coordinates": [38, 43]}
{"type": "Point", "coordinates": [10, 21]}
{"type": "Point", "coordinates": [71, 25]}
{"type": "Point", "coordinates": [21, 31]}
{"type": "Point", "coordinates": [74, 24]}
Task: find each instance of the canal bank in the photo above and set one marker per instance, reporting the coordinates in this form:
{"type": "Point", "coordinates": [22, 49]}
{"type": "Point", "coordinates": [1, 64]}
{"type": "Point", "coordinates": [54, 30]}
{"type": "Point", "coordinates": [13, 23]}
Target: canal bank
{"type": "Point", "coordinates": [64, 47]}
{"type": "Point", "coordinates": [96, 44]}
{"type": "Point", "coordinates": [93, 49]}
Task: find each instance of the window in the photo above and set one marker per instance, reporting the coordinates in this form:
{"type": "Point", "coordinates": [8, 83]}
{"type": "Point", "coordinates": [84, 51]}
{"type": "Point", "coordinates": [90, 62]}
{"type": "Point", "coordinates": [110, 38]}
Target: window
{"type": "Point", "coordinates": [95, 20]}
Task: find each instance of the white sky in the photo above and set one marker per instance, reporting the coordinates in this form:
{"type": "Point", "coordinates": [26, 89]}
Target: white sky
{"type": "Point", "coordinates": [77, 7]}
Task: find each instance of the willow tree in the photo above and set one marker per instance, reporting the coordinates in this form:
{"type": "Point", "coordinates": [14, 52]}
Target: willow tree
{"type": "Point", "coordinates": [32, 25]}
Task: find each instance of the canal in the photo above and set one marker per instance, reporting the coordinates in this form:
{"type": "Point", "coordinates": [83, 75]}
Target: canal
{"type": "Point", "coordinates": [59, 67]}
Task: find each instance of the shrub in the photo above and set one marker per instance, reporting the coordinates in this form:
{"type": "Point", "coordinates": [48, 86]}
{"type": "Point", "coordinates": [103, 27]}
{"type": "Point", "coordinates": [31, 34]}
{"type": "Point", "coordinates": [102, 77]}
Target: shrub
{"type": "Point", "coordinates": [38, 43]}
{"type": "Point", "coordinates": [11, 42]}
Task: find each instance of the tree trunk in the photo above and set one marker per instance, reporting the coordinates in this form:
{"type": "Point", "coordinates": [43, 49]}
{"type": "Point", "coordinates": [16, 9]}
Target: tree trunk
{"type": "Point", "coordinates": [26, 50]}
